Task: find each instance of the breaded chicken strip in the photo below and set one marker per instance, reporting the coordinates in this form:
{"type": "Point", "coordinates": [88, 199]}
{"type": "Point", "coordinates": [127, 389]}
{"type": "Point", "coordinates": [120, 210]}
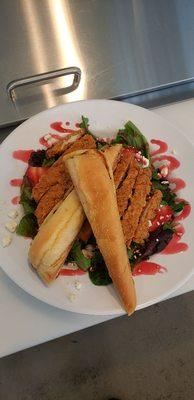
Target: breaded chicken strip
{"type": "Point", "coordinates": [142, 231]}
{"type": "Point", "coordinates": [62, 145]}
{"type": "Point", "coordinates": [132, 215]}
{"type": "Point", "coordinates": [125, 191]}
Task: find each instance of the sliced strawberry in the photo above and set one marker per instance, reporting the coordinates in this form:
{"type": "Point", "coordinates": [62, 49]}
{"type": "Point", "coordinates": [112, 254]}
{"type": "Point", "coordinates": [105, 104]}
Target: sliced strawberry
{"type": "Point", "coordinates": [34, 174]}
{"type": "Point", "coordinates": [163, 215]}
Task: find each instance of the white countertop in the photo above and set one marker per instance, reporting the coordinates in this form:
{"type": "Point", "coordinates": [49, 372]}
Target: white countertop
{"type": "Point", "coordinates": [26, 321]}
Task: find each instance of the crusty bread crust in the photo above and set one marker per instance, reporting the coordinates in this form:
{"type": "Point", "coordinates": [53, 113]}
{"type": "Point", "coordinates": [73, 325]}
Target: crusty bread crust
{"type": "Point", "coordinates": [53, 242]}
{"type": "Point", "coordinates": [95, 188]}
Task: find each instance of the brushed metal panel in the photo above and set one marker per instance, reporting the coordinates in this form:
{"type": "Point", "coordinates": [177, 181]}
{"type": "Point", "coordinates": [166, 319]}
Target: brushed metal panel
{"type": "Point", "coordinates": [121, 46]}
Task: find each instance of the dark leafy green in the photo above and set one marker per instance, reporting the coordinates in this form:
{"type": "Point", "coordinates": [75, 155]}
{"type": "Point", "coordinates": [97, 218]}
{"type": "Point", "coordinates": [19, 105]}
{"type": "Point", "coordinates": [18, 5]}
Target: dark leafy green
{"type": "Point", "coordinates": [156, 242]}
{"type": "Point", "coordinates": [100, 144]}
{"type": "Point", "coordinates": [131, 136]}
{"type": "Point", "coordinates": [168, 196]}
{"type": "Point", "coordinates": [98, 272]}
{"type": "Point", "coordinates": [28, 226]}
{"type": "Point", "coordinates": [36, 158]}
{"type": "Point", "coordinates": [48, 162]}
{"type": "Point", "coordinates": [85, 125]}
{"type": "Point", "coordinates": [77, 256]}
{"type": "Point", "coordinates": [177, 207]}
{"type": "Point", "coordinates": [26, 199]}
{"type": "Point", "coordinates": [168, 226]}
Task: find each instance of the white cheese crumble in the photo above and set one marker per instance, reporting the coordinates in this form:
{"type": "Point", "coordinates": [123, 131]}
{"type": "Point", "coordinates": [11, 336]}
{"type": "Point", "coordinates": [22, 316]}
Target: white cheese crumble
{"type": "Point", "coordinates": [6, 241]}
{"type": "Point", "coordinates": [164, 171]}
{"type": "Point", "coordinates": [145, 162]}
{"type": "Point", "coordinates": [90, 247]}
{"type": "Point", "coordinates": [51, 140]}
{"type": "Point", "coordinates": [71, 265]}
{"type": "Point", "coordinates": [47, 137]}
{"type": "Point", "coordinates": [78, 285]}
{"type": "Point", "coordinates": [71, 297]}
{"type": "Point", "coordinates": [12, 214]}
{"type": "Point", "coordinates": [11, 226]}
{"type": "Point", "coordinates": [149, 223]}
{"type": "Point", "coordinates": [87, 253]}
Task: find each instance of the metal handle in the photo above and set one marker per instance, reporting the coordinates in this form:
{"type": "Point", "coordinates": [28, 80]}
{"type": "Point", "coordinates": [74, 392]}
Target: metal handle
{"type": "Point", "coordinates": [45, 77]}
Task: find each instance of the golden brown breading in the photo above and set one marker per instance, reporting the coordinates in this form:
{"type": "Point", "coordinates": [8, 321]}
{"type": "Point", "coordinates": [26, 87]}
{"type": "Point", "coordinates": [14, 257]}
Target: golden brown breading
{"type": "Point", "coordinates": [57, 178]}
{"type": "Point", "coordinates": [85, 232]}
{"type": "Point", "coordinates": [52, 177]}
{"type": "Point", "coordinates": [132, 215]}
{"type": "Point", "coordinates": [57, 172]}
{"type": "Point", "coordinates": [61, 146]}
{"type": "Point", "coordinates": [122, 168]}
{"type": "Point", "coordinates": [50, 199]}
{"type": "Point", "coordinates": [124, 192]}
{"type": "Point", "coordinates": [142, 231]}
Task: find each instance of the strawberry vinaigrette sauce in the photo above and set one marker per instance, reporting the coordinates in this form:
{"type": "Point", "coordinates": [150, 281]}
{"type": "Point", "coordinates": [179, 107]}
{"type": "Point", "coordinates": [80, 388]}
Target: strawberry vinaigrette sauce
{"type": "Point", "coordinates": [174, 246]}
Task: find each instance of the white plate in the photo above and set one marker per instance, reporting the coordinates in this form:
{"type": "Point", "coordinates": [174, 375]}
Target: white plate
{"type": "Point", "coordinates": [105, 118]}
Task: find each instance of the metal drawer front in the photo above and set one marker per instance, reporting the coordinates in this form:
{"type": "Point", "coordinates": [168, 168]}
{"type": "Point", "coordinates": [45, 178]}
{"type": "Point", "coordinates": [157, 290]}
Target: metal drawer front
{"type": "Point", "coordinates": [120, 46]}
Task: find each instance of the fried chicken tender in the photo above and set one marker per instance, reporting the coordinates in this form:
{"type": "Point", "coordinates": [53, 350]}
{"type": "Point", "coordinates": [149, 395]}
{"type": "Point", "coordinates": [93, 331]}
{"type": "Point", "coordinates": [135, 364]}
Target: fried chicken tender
{"type": "Point", "coordinates": [132, 215]}
{"type": "Point", "coordinates": [142, 231]}
{"type": "Point", "coordinates": [61, 146]}
{"type": "Point", "coordinates": [124, 192]}
{"type": "Point", "coordinates": [122, 168]}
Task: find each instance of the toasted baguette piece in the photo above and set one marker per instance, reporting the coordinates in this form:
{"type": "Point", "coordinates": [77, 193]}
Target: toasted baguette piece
{"type": "Point", "coordinates": [93, 180]}
{"type": "Point", "coordinates": [56, 235]}
{"type": "Point", "coordinates": [53, 242]}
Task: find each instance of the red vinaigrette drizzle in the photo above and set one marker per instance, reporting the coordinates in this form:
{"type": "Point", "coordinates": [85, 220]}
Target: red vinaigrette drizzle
{"type": "Point", "coordinates": [163, 147]}
{"type": "Point", "coordinates": [148, 268]}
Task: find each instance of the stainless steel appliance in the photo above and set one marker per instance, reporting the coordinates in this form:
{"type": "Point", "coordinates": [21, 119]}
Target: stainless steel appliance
{"type": "Point", "coordinates": [126, 49]}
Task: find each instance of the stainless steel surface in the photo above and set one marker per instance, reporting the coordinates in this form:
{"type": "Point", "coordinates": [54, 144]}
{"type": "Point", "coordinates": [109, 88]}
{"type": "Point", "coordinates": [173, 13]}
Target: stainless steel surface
{"type": "Point", "coordinates": [121, 47]}
{"type": "Point", "coordinates": [162, 95]}
{"type": "Point", "coordinates": [40, 78]}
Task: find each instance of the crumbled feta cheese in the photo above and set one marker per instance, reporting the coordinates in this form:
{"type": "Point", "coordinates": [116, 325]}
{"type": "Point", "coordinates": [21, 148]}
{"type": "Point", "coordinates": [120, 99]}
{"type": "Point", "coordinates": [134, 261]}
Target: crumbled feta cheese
{"type": "Point", "coordinates": [71, 297]}
{"type": "Point", "coordinates": [11, 226]}
{"type": "Point", "coordinates": [165, 182]}
{"type": "Point", "coordinates": [12, 214]}
{"type": "Point", "coordinates": [87, 253]}
{"type": "Point", "coordinates": [6, 241]}
{"type": "Point", "coordinates": [51, 140]}
{"type": "Point", "coordinates": [78, 285]}
{"type": "Point", "coordinates": [71, 265]}
{"type": "Point", "coordinates": [90, 247]}
{"type": "Point", "coordinates": [149, 223]}
{"type": "Point", "coordinates": [47, 136]}
{"type": "Point", "coordinates": [164, 171]}
{"type": "Point", "coordinates": [145, 162]}
{"type": "Point", "coordinates": [138, 157]}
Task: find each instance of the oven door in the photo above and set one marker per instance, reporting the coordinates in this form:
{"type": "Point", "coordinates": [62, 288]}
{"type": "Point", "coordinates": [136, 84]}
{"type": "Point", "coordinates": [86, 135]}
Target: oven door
{"type": "Point", "coordinates": [56, 51]}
